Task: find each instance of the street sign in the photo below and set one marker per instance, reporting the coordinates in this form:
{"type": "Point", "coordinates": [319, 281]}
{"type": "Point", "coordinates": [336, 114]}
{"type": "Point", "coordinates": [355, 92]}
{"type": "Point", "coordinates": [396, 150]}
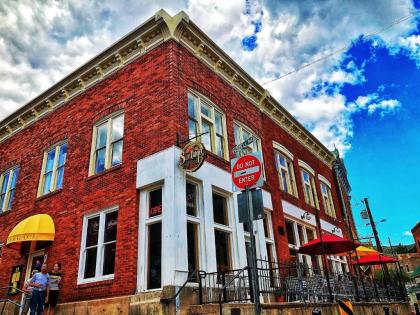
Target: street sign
{"type": "Point", "coordinates": [247, 171]}
{"type": "Point", "coordinates": [243, 146]}
{"type": "Point", "coordinates": [257, 205]}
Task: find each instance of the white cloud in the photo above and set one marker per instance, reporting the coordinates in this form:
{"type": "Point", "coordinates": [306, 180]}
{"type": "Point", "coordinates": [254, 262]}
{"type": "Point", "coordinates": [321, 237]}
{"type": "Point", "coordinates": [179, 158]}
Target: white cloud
{"type": "Point", "coordinates": [408, 233]}
{"type": "Point", "coordinates": [40, 42]}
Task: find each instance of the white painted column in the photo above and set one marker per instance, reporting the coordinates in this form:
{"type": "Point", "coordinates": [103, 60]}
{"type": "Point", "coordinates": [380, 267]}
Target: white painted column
{"type": "Point", "coordinates": [208, 228]}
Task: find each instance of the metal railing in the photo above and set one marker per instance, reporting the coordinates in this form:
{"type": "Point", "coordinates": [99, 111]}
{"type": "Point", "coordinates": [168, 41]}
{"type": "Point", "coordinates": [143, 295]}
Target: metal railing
{"type": "Point", "coordinates": [7, 300]}
{"type": "Point", "coordinates": [191, 277]}
{"type": "Point", "coordinates": [225, 286]}
{"type": "Point", "coordinates": [294, 282]}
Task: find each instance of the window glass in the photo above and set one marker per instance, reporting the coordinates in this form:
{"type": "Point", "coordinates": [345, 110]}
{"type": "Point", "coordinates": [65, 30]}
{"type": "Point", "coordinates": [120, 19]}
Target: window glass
{"type": "Point", "coordinates": [90, 264]}
{"type": "Point", "coordinates": [155, 202]}
{"type": "Point", "coordinates": [237, 134]}
{"type": "Point", "coordinates": [310, 234]}
{"type": "Point", "coordinates": [205, 109]}
{"type": "Point", "coordinates": [220, 209]}
{"type": "Point", "coordinates": [191, 106]}
{"type": "Point", "coordinates": [266, 225]}
{"type": "Point", "coordinates": [192, 127]}
{"type": "Point", "coordinates": [92, 232]}
{"type": "Point", "coordinates": [110, 231]}
{"type": "Point", "coordinates": [7, 188]}
{"type": "Point", "coordinates": [290, 232]}
{"type": "Point", "coordinates": [218, 123]}
{"type": "Point", "coordinates": [154, 273]}
{"type": "Point", "coordinates": [192, 239]}
{"type": "Point", "coordinates": [222, 240]}
{"type": "Point", "coordinates": [109, 258]}
{"type": "Point", "coordinates": [191, 198]}
{"type": "Point", "coordinates": [300, 233]}
{"type": "Point", "coordinates": [108, 152]}
{"type": "Point", "coordinates": [206, 138]}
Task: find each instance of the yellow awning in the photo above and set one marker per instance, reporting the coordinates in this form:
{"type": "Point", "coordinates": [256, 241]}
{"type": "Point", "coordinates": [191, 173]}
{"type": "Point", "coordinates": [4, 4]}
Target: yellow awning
{"type": "Point", "coordinates": [39, 227]}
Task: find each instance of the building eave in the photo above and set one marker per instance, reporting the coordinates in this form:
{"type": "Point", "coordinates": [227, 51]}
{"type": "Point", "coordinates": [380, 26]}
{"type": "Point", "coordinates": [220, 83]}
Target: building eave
{"type": "Point", "coordinates": [158, 29]}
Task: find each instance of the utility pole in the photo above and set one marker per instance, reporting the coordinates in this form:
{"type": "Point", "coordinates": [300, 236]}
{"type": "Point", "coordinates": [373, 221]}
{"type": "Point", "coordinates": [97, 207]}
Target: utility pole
{"type": "Point", "coordinates": [373, 225]}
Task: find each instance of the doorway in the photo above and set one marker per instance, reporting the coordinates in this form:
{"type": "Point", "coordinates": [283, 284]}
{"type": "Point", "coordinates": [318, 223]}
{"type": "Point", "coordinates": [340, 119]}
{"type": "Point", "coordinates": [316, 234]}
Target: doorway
{"type": "Point", "coordinates": [35, 261]}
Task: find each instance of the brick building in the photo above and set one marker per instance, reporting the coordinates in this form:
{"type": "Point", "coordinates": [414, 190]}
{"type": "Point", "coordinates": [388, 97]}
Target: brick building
{"type": "Point", "coordinates": [416, 235]}
{"type": "Point", "coordinates": [98, 153]}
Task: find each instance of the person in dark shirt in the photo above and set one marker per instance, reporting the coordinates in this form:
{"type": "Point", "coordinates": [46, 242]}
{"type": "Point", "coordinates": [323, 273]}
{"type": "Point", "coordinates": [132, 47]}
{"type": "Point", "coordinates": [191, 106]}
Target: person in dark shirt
{"type": "Point", "coordinates": [55, 279]}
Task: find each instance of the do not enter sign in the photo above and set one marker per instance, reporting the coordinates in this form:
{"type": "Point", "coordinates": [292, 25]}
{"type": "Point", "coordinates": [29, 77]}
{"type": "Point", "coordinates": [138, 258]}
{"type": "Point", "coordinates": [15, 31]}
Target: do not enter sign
{"type": "Point", "coordinates": [247, 171]}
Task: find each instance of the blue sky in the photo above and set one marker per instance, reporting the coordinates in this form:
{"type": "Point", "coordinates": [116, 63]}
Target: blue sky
{"type": "Point", "coordinates": [363, 100]}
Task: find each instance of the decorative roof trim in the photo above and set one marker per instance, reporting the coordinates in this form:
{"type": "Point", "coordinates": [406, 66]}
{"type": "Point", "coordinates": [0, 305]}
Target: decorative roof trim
{"type": "Point", "coordinates": [158, 29]}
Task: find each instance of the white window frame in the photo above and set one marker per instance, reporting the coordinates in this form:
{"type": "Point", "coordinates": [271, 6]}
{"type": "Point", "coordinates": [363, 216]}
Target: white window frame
{"type": "Point", "coordinates": [327, 198]}
{"type": "Point", "coordinates": [312, 199]}
{"type": "Point", "coordinates": [291, 188]}
{"type": "Point", "coordinates": [269, 239]}
{"type": "Point", "coordinates": [241, 127]}
{"type": "Point", "coordinates": [225, 228]}
{"type": "Point", "coordinates": [108, 150]}
{"type": "Point", "coordinates": [11, 171]}
{"type": "Point", "coordinates": [196, 220]}
{"type": "Point", "coordinates": [53, 187]}
{"type": "Point", "coordinates": [100, 247]}
{"type": "Point", "coordinates": [199, 99]}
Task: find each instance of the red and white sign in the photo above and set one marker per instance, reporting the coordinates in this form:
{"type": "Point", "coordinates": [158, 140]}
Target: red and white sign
{"type": "Point", "coordinates": [247, 171]}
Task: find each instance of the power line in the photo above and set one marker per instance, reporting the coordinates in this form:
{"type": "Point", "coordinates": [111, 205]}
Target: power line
{"type": "Point", "coordinates": [395, 22]}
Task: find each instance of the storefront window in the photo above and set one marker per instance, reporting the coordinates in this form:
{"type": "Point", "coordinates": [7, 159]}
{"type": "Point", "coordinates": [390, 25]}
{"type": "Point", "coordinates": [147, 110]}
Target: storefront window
{"type": "Point", "coordinates": [193, 227]}
{"type": "Point", "coordinates": [222, 233]}
{"type": "Point", "coordinates": [154, 273]}
{"type": "Point", "coordinates": [191, 198]}
{"type": "Point", "coordinates": [220, 210]}
{"type": "Point", "coordinates": [290, 233]}
{"type": "Point", "coordinates": [192, 239]}
{"type": "Point", "coordinates": [155, 202]}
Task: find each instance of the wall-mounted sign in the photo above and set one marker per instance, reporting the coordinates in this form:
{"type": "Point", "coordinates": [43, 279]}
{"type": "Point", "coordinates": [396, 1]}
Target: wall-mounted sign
{"type": "Point", "coordinates": [15, 278]}
{"type": "Point", "coordinates": [192, 156]}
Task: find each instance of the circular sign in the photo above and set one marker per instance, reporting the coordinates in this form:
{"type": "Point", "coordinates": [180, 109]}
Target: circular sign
{"type": "Point", "coordinates": [192, 156]}
{"type": "Point", "coordinates": [246, 171]}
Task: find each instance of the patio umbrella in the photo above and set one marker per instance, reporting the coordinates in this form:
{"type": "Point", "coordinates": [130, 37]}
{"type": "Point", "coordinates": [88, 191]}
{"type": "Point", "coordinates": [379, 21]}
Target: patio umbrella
{"type": "Point", "coordinates": [361, 252]}
{"type": "Point", "coordinates": [374, 259]}
{"type": "Point", "coordinates": [330, 245]}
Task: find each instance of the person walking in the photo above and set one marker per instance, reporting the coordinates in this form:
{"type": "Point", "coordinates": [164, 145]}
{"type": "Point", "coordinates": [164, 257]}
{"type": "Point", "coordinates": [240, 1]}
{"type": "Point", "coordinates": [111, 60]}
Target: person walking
{"type": "Point", "coordinates": [39, 282]}
{"type": "Point", "coordinates": [55, 279]}
{"type": "Point", "coordinates": [28, 294]}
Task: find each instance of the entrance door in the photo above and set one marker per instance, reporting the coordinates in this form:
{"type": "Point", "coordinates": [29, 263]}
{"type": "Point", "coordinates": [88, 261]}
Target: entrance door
{"type": "Point", "coordinates": [35, 261]}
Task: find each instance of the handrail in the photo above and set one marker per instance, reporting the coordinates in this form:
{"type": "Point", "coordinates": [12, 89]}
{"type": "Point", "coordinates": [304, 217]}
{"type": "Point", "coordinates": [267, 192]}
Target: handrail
{"type": "Point", "coordinates": [11, 287]}
{"type": "Point", "coordinates": [4, 301]}
{"type": "Point", "coordinates": [228, 284]}
{"type": "Point", "coordinates": [166, 301]}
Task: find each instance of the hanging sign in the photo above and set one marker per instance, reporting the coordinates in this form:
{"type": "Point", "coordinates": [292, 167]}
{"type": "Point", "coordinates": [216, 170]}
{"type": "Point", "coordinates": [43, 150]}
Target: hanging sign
{"type": "Point", "coordinates": [192, 156]}
{"type": "Point", "coordinates": [15, 278]}
{"type": "Point", "coordinates": [247, 171]}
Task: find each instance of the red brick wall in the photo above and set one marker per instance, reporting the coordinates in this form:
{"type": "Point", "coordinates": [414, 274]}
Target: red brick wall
{"type": "Point", "coordinates": [152, 90]}
{"type": "Point", "coordinates": [416, 236]}
{"type": "Point", "coordinates": [143, 90]}
{"type": "Point", "coordinates": [198, 76]}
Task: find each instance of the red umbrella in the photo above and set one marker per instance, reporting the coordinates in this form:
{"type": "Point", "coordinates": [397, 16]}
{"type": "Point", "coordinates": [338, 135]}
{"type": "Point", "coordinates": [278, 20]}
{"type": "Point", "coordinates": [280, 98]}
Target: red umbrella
{"type": "Point", "coordinates": [374, 259]}
{"type": "Point", "coordinates": [330, 245]}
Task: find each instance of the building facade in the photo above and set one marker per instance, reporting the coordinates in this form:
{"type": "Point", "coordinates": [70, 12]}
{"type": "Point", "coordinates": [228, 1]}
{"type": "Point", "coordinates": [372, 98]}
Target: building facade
{"type": "Point", "coordinates": [99, 153]}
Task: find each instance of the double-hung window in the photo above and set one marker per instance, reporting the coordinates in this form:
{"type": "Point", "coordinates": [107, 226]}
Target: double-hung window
{"type": "Point", "coordinates": [309, 188]}
{"type": "Point", "coordinates": [242, 134]}
{"type": "Point", "coordinates": [327, 199]}
{"type": "Point", "coordinates": [286, 173]}
{"type": "Point", "coordinates": [107, 144]}
{"type": "Point", "coordinates": [209, 122]}
{"type": "Point", "coordinates": [99, 238]}
{"type": "Point", "coordinates": [8, 181]}
{"type": "Point", "coordinates": [52, 171]}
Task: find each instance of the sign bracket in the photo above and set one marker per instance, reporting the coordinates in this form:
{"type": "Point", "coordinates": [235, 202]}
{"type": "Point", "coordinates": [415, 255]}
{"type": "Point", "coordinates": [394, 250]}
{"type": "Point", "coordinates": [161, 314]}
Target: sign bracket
{"type": "Point", "coordinates": [179, 142]}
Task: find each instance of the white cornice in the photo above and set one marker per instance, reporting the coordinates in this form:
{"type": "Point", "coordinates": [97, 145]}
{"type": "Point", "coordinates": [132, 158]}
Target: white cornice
{"type": "Point", "coordinates": [153, 32]}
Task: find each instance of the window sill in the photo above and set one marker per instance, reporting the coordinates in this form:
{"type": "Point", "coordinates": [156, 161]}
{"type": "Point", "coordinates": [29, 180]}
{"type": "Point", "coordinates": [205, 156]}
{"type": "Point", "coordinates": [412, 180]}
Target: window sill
{"type": "Point", "coordinates": [3, 213]}
{"type": "Point", "coordinates": [109, 170]}
{"type": "Point", "coordinates": [213, 155]}
{"type": "Point", "coordinates": [95, 283]}
{"type": "Point", "coordinates": [55, 192]}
